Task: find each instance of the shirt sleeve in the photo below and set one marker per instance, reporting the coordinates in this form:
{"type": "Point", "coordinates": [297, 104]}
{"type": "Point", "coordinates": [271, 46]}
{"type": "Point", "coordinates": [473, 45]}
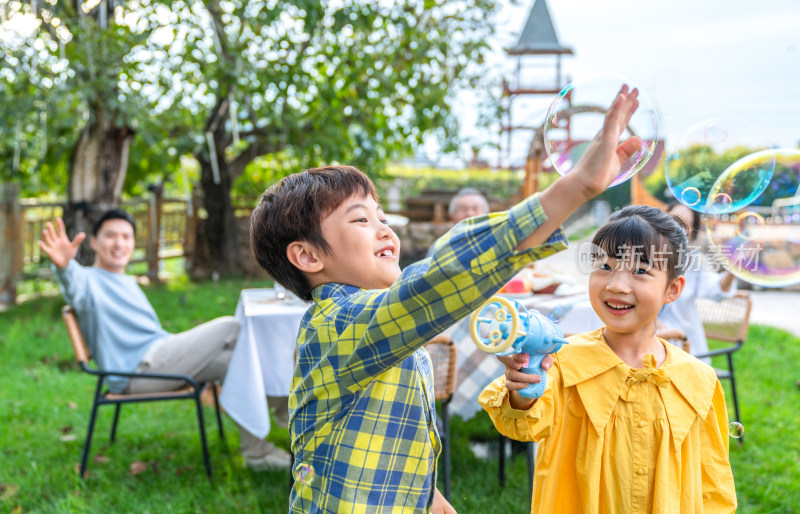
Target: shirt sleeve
{"type": "Point", "coordinates": [470, 263]}
{"type": "Point", "coordinates": [719, 492]}
{"type": "Point", "coordinates": [533, 424]}
{"type": "Point", "coordinates": [73, 281]}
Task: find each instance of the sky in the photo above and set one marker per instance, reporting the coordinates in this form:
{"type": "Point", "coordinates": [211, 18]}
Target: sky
{"type": "Point", "coordinates": [694, 59]}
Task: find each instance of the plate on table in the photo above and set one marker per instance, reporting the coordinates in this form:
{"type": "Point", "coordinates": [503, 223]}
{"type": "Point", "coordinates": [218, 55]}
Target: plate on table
{"type": "Point", "coordinates": [569, 290]}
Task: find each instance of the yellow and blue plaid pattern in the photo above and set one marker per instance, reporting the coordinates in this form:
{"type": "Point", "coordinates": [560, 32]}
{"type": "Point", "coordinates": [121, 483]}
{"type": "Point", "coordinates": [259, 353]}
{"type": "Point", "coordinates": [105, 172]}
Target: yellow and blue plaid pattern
{"type": "Point", "coordinates": [362, 404]}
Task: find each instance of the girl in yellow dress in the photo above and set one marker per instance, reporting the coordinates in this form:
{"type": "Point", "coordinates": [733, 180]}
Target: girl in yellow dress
{"type": "Point", "coordinates": [627, 422]}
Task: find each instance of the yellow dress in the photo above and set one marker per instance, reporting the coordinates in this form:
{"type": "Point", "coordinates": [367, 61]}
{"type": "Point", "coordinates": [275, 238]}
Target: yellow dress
{"type": "Point", "coordinates": [620, 439]}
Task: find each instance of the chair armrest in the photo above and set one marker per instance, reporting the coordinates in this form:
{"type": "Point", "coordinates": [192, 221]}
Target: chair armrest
{"type": "Point", "coordinates": [721, 351]}
{"type": "Point", "coordinates": [671, 334]}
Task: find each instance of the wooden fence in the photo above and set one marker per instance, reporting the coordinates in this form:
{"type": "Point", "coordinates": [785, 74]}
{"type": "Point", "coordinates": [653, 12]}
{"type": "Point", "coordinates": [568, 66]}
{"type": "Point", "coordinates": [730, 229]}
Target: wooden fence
{"type": "Point", "coordinates": [165, 228]}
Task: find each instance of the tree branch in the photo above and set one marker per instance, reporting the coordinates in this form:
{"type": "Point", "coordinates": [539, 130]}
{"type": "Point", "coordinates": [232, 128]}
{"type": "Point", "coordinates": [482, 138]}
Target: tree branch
{"type": "Point", "coordinates": [215, 122]}
{"type": "Point", "coordinates": [249, 154]}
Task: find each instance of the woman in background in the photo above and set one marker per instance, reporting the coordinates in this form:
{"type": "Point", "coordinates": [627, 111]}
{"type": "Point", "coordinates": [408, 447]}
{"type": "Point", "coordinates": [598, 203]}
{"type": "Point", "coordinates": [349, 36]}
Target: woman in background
{"type": "Point", "coordinates": [702, 281]}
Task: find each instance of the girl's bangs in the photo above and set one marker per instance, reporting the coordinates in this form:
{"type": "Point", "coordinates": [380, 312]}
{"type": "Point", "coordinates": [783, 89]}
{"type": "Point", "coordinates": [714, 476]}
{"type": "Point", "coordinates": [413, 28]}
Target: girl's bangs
{"type": "Point", "coordinates": [631, 238]}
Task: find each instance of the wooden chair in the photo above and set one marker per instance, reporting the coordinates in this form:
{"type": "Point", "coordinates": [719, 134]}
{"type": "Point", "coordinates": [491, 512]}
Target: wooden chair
{"type": "Point", "coordinates": [727, 320]}
{"type": "Point", "coordinates": [444, 356]}
{"type": "Point", "coordinates": [192, 391]}
{"type": "Point", "coordinates": [676, 337]}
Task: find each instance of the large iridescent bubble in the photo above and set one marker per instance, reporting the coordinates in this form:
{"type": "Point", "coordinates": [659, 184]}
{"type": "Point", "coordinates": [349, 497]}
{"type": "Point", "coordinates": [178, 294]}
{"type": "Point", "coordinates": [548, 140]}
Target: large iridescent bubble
{"type": "Point", "coordinates": [576, 116]}
{"type": "Point", "coordinates": [760, 243]}
{"type": "Point", "coordinates": [704, 153]}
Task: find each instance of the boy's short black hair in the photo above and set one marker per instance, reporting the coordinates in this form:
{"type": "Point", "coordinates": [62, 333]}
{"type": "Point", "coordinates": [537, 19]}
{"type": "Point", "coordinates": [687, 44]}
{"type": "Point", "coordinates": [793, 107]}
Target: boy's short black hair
{"type": "Point", "coordinates": [293, 210]}
{"type": "Point", "coordinates": [113, 214]}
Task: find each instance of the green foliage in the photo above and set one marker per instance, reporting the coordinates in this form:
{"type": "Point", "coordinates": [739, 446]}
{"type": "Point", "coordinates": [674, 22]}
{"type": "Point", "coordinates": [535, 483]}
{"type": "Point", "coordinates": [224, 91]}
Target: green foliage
{"type": "Point", "coordinates": [298, 82]}
{"type": "Point", "coordinates": [498, 184]}
{"type": "Point", "coordinates": [45, 400]}
{"type": "Point", "coordinates": [68, 73]}
{"type": "Point", "coordinates": [700, 166]}
{"type": "Point", "coordinates": [765, 467]}
{"type": "Point", "coordinates": [700, 163]}
{"type": "Point", "coordinates": [261, 173]}
{"type": "Point", "coordinates": [783, 184]}
{"type": "Point", "coordinates": [308, 82]}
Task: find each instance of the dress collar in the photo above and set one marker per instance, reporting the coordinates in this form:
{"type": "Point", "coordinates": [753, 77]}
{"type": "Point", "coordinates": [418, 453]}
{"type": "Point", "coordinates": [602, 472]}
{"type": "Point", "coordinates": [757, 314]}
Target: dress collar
{"type": "Point", "coordinates": [686, 385]}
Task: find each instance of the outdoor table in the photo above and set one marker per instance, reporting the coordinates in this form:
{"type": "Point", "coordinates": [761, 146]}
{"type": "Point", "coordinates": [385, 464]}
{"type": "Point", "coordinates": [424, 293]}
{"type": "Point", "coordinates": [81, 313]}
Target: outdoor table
{"type": "Point", "coordinates": [263, 360]}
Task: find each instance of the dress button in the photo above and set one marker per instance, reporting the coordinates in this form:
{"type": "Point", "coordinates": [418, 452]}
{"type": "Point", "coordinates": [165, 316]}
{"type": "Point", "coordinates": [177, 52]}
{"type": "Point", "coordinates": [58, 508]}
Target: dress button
{"type": "Point", "coordinates": [640, 471]}
{"type": "Point", "coordinates": [642, 424]}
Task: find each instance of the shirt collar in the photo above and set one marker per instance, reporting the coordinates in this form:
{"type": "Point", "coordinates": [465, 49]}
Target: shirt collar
{"type": "Point", "coordinates": [332, 290]}
{"type": "Point", "coordinates": [588, 363]}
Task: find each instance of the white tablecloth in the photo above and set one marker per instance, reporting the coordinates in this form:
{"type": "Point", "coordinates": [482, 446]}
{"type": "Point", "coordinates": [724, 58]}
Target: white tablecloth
{"type": "Point", "coordinates": [263, 360]}
{"type": "Point", "coordinates": [476, 369]}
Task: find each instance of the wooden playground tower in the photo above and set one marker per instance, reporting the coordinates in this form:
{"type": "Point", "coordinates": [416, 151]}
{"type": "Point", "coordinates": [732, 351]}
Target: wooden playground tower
{"type": "Point", "coordinates": [539, 39]}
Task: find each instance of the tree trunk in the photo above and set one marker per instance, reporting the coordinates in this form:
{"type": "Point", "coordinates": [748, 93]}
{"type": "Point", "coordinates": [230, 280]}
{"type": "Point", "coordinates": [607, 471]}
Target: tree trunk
{"type": "Point", "coordinates": [98, 166]}
{"type": "Point", "coordinates": [219, 228]}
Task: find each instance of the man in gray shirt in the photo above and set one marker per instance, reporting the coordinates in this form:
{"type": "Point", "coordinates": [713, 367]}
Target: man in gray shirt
{"type": "Point", "coordinates": [123, 331]}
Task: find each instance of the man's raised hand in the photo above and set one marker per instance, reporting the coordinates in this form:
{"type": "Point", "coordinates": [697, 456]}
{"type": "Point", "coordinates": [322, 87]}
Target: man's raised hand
{"type": "Point", "coordinates": [57, 245]}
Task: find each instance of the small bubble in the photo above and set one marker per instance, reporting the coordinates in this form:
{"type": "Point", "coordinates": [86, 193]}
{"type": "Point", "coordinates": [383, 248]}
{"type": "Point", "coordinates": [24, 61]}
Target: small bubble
{"type": "Point", "coordinates": [721, 202]}
{"type": "Point", "coordinates": [304, 473]}
{"type": "Point", "coordinates": [690, 196]}
{"type": "Point", "coordinates": [736, 429]}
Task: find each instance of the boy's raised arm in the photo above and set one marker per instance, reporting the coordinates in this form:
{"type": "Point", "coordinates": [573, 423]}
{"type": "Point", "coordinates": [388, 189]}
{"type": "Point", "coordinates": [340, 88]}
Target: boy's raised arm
{"type": "Point", "coordinates": [598, 167]}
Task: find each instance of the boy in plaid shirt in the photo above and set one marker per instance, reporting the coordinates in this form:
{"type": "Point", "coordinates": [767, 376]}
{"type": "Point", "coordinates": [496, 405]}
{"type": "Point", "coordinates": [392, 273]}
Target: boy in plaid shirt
{"type": "Point", "coordinates": [362, 404]}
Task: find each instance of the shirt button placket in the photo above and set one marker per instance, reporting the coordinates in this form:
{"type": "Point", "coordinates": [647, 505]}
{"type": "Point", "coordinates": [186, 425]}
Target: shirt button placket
{"type": "Point", "coordinates": [639, 462]}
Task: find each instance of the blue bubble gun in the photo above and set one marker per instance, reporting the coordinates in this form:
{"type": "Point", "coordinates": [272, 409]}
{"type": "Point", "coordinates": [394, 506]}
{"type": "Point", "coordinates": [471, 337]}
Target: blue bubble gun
{"type": "Point", "coordinates": [505, 327]}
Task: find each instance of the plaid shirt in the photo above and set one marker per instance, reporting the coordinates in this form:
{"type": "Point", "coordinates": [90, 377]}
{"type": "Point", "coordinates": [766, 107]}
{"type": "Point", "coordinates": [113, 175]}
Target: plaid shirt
{"type": "Point", "coordinates": [362, 403]}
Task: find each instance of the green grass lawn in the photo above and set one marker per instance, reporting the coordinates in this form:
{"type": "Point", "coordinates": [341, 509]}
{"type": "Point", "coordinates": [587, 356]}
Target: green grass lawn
{"type": "Point", "coordinates": [45, 402]}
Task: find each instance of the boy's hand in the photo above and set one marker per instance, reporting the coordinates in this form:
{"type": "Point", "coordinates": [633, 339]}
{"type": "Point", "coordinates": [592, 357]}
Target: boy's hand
{"type": "Point", "coordinates": [57, 245]}
{"type": "Point", "coordinates": [516, 380]}
{"type": "Point", "coordinates": [440, 504]}
{"type": "Point", "coordinates": [605, 155]}
{"type": "Point", "coordinates": [596, 170]}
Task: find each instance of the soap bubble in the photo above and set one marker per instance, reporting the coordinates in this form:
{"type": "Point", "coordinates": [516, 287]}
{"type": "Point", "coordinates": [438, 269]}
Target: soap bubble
{"type": "Point", "coordinates": [690, 196]}
{"type": "Point", "coordinates": [707, 151]}
{"type": "Point", "coordinates": [735, 429]}
{"type": "Point", "coordinates": [746, 223]}
{"type": "Point", "coordinates": [577, 114]}
{"type": "Point", "coordinates": [304, 473]}
{"type": "Point", "coordinates": [722, 202]}
{"type": "Point", "coordinates": [760, 244]}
